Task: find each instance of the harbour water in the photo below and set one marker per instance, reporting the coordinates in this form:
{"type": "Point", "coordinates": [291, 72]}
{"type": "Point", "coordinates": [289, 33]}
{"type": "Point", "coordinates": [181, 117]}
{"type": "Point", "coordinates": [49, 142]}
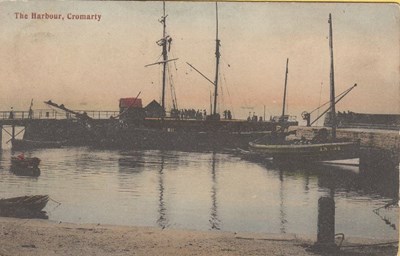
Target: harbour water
{"type": "Point", "coordinates": [203, 191]}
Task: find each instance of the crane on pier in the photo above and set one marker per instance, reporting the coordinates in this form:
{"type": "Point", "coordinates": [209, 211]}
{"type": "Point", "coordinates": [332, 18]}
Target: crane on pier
{"type": "Point", "coordinates": [83, 116]}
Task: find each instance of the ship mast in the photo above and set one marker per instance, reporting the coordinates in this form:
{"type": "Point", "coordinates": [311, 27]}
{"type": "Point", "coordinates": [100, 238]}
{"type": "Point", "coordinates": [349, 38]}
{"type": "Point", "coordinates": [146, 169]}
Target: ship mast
{"type": "Point", "coordinates": [165, 43]}
{"type": "Point", "coordinates": [165, 58]}
{"type": "Point", "coordinates": [213, 113]}
{"type": "Point", "coordinates": [217, 56]}
{"type": "Point", "coordinates": [284, 92]}
{"type": "Point", "coordinates": [332, 82]}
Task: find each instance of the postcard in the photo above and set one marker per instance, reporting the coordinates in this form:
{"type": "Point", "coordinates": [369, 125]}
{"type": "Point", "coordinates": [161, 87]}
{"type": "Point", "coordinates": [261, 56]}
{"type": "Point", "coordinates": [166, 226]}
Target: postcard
{"type": "Point", "coordinates": [199, 128]}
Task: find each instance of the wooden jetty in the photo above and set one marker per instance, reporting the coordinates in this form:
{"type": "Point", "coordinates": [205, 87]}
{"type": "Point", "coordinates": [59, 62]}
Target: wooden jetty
{"type": "Point", "coordinates": [52, 126]}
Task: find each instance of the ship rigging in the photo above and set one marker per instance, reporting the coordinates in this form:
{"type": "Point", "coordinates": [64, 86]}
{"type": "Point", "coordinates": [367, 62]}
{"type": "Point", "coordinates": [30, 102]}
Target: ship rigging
{"type": "Point", "coordinates": [165, 42]}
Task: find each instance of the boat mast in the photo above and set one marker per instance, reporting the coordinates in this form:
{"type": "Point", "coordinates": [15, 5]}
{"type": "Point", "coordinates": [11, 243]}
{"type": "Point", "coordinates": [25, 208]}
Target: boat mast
{"type": "Point", "coordinates": [284, 92]}
{"type": "Point", "coordinates": [217, 56]}
{"type": "Point", "coordinates": [165, 58]}
{"type": "Point", "coordinates": [211, 108]}
{"type": "Point", "coordinates": [332, 81]}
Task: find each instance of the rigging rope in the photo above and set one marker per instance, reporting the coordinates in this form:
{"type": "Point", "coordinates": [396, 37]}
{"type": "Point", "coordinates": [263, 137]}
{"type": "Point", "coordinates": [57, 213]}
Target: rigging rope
{"type": "Point", "coordinates": [337, 99]}
{"type": "Point", "coordinates": [344, 92]}
{"type": "Point", "coordinates": [172, 88]}
{"type": "Point", "coordinates": [227, 89]}
{"type": "Point", "coordinates": [222, 99]}
{"type": "Point", "coordinates": [172, 83]}
{"type": "Point", "coordinates": [319, 102]}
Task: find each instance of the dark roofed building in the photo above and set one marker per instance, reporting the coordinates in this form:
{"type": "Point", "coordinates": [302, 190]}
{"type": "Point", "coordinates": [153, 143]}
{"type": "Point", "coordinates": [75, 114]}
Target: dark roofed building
{"type": "Point", "coordinates": [154, 109]}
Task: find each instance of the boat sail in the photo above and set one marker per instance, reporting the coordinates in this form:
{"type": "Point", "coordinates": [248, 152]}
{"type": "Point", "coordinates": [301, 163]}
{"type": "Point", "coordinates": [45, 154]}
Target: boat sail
{"type": "Point", "coordinates": [321, 147]}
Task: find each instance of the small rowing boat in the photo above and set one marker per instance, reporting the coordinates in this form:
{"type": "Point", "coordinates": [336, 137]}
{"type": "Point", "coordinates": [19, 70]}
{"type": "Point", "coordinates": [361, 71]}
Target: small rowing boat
{"type": "Point", "coordinates": [23, 206]}
{"type": "Point", "coordinates": [26, 166]}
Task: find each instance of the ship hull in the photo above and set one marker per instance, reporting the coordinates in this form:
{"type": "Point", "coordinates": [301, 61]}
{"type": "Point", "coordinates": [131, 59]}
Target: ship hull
{"type": "Point", "coordinates": [176, 140]}
{"type": "Point", "coordinates": [151, 133]}
{"type": "Point", "coordinates": [308, 152]}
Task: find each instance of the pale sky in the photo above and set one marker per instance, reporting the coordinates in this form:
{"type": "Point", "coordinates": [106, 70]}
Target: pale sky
{"type": "Point", "coordinates": [87, 64]}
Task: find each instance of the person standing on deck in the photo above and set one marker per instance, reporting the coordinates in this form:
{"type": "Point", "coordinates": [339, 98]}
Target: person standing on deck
{"type": "Point", "coordinates": [11, 114]}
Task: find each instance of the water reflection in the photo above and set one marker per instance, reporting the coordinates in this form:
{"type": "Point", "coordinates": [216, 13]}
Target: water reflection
{"type": "Point", "coordinates": [343, 179]}
{"type": "Point", "coordinates": [387, 219]}
{"type": "Point", "coordinates": [306, 182]}
{"type": "Point", "coordinates": [25, 172]}
{"type": "Point", "coordinates": [132, 161]}
{"type": "Point", "coordinates": [339, 182]}
{"type": "Point", "coordinates": [282, 213]}
{"type": "Point", "coordinates": [204, 190]}
{"type": "Point", "coordinates": [162, 219]}
{"type": "Point", "coordinates": [214, 220]}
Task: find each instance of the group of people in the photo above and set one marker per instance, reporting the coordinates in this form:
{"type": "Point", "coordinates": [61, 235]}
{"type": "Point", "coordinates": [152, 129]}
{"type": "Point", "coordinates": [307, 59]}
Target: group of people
{"type": "Point", "coordinates": [227, 114]}
{"type": "Point", "coordinates": [195, 114]}
{"type": "Point", "coordinates": [254, 118]}
{"type": "Point", "coordinates": [188, 114]}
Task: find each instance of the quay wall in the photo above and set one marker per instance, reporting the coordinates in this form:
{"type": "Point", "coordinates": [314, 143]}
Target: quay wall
{"type": "Point", "coordinates": [379, 139]}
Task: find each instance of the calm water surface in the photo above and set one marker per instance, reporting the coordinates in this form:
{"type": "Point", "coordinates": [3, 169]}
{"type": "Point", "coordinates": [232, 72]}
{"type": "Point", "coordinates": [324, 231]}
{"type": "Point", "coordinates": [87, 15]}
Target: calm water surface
{"type": "Point", "coordinates": [202, 191]}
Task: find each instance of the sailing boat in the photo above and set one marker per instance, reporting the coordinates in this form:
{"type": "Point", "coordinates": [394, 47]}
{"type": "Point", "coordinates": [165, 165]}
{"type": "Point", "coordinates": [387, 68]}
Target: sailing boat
{"type": "Point", "coordinates": [321, 147]}
{"type": "Point", "coordinates": [173, 132]}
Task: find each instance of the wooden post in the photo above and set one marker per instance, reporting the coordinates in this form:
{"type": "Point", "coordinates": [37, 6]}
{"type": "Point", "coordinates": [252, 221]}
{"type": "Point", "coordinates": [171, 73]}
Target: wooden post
{"type": "Point", "coordinates": [13, 132]}
{"type": "Point", "coordinates": [264, 114]}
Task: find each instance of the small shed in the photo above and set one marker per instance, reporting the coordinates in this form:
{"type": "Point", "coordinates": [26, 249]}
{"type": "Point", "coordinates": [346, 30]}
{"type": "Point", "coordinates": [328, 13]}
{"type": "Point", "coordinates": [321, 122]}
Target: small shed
{"type": "Point", "coordinates": [131, 109]}
{"type": "Point", "coordinates": [154, 109]}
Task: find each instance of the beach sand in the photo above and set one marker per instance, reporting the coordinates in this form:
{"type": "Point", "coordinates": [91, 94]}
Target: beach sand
{"type": "Point", "coordinates": [44, 237]}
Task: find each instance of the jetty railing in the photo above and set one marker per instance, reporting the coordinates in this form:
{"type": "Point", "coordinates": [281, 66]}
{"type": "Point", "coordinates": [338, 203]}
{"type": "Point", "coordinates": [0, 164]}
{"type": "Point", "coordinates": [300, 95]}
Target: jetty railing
{"type": "Point", "coordinates": [53, 114]}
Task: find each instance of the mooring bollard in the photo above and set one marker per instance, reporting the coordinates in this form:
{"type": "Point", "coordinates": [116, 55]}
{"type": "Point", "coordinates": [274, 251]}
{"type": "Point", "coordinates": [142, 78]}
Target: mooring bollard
{"type": "Point", "coordinates": [326, 225]}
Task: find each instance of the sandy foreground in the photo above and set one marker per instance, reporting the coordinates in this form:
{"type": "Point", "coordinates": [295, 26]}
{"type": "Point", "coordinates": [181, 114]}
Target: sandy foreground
{"type": "Point", "coordinates": [44, 237]}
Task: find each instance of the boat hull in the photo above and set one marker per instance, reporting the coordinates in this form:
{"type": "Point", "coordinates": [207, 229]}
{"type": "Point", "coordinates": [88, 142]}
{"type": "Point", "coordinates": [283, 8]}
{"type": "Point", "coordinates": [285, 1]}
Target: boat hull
{"type": "Point", "coordinates": [24, 206]}
{"type": "Point", "coordinates": [149, 133]}
{"type": "Point", "coordinates": [309, 152]}
{"type": "Point", "coordinates": [185, 140]}
{"type": "Point", "coordinates": [25, 171]}
{"type": "Point", "coordinates": [25, 166]}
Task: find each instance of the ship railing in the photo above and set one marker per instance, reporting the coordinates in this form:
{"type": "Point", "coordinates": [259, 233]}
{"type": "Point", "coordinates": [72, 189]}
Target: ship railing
{"type": "Point", "coordinates": [53, 114]}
